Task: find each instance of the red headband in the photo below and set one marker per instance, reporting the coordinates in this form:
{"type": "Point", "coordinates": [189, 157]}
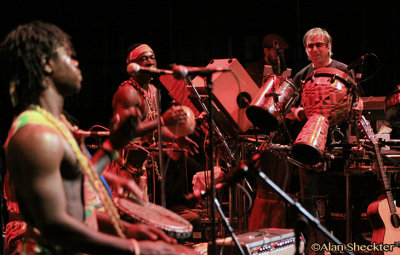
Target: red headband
{"type": "Point", "coordinates": [135, 53]}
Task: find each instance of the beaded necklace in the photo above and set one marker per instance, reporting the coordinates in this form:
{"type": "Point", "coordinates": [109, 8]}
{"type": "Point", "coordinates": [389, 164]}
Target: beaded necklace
{"type": "Point", "coordinates": [64, 127]}
{"type": "Point", "coordinates": [149, 98]}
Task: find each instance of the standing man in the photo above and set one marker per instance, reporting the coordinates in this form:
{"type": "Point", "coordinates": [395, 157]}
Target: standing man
{"type": "Point", "coordinates": [256, 69]}
{"type": "Point", "coordinates": [317, 188]}
{"type": "Point", "coordinates": [53, 178]}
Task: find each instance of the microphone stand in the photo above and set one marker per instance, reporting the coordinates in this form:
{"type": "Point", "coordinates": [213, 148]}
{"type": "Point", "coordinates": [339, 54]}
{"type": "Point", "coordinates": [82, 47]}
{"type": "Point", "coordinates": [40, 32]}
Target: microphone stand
{"type": "Point", "coordinates": [214, 128]}
{"type": "Point", "coordinates": [214, 125]}
{"type": "Point", "coordinates": [160, 146]}
{"type": "Point", "coordinates": [278, 60]}
{"type": "Point", "coordinates": [211, 162]}
{"type": "Point", "coordinates": [300, 209]}
{"type": "Point", "coordinates": [228, 227]}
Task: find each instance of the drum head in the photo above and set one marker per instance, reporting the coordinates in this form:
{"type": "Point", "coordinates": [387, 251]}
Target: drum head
{"type": "Point", "coordinates": [334, 73]}
{"type": "Point", "coordinates": [326, 92]}
{"type": "Point", "coordinates": [306, 154]}
{"type": "Point", "coordinates": [262, 118]}
{"type": "Point", "coordinates": [155, 215]}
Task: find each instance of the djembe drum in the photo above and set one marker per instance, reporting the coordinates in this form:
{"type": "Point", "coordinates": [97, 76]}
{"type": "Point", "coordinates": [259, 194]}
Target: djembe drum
{"type": "Point", "coordinates": [157, 216]}
{"type": "Point", "coordinates": [327, 101]}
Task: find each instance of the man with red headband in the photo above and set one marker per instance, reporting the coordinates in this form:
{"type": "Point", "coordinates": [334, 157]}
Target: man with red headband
{"type": "Point", "coordinates": [140, 91]}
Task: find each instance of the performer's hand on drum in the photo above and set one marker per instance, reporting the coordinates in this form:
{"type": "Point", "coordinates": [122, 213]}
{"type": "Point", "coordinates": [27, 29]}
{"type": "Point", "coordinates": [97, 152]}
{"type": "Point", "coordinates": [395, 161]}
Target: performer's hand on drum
{"type": "Point", "coordinates": [175, 115]}
{"type": "Point", "coordinates": [141, 231]}
{"type": "Point", "coordinates": [124, 125]}
{"type": "Point", "coordinates": [123, 186]}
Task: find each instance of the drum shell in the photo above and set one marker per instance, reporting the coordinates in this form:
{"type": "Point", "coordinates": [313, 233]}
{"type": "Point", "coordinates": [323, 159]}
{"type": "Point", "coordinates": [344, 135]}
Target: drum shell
{"type": "Point", "coordinates": [392, 107]}
{"type": "Point", "coordinates": [310, 143]}
{"type": "Point", "coordinates": [188, 126]}
{"type": "Point", "coordinates": [327, 92]}
{"type": "Point", "coordinates": [264, 112]}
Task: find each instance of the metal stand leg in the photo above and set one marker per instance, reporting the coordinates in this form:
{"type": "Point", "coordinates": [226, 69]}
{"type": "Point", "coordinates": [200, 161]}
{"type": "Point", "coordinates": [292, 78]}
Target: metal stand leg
{"type": "Point", "coordinates": [348, 205]}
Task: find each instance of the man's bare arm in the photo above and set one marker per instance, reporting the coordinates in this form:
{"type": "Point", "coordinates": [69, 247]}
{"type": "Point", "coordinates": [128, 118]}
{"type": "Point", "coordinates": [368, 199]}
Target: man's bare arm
{"type": "Point", "coordinates": [35, 170]}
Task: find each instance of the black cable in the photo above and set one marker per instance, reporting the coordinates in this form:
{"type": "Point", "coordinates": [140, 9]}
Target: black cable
{"type": "Point", "coordinates": [377, 67]}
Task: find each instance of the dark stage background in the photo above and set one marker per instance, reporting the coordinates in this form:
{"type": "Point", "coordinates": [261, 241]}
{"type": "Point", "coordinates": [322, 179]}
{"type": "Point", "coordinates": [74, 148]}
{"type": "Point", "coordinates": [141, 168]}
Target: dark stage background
{"type": "Point", "coordinates": [194, 32]}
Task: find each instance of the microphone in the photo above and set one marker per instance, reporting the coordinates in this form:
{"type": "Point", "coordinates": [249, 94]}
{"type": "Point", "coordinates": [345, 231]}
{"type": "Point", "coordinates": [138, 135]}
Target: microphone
{"type": "Point", "coordinates": [278, 57]}
{"type": "Point", "coordinates": [233, 177]}
{"type": "Point", "coordinates": [358, 62]}
{"type": "Point", "coordinates": [281, 58]}
{"type": "Point", "coordinates": [85, 133]}
{"type": "Point", "coordinates": [133, 68]}
{"type": "Point", "coordinates": [182, 72]}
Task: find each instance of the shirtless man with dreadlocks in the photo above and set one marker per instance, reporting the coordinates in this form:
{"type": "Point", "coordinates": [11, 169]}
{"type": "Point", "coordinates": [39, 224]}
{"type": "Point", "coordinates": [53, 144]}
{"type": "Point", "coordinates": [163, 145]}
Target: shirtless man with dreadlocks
{"type": "Point", "coordinates": [53, 179]}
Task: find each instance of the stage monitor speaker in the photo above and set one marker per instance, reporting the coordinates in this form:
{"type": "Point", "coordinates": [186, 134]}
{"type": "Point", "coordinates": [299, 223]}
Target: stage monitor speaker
{"type": "Point", "coordinates": [272, 241]}
{"type": "Point", "coordinates": [229, 96]}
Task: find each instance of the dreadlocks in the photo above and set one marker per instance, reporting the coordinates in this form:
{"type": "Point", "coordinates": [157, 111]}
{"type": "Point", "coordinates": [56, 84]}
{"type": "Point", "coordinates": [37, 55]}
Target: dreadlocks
{"type": "Point", "coordinates": [25, 51]}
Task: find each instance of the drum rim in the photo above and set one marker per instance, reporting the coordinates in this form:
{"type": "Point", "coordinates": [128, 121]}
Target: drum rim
{"type": "Point", "coordinates": [184, 227]}
{"type": "Point", "coordinates": [323, 71]}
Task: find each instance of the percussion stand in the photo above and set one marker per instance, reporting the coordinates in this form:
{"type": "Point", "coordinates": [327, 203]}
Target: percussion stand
{"type": "Point", "coordinates": [348, 199]}
{"type": "Point", "coordinates": [281, 117]}
{"type": "Point", "coordinates": [356, 90]}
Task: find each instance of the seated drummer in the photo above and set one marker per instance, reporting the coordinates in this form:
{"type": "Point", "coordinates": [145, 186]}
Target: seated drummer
{"type": "Point", "coordinates": [55, 182]}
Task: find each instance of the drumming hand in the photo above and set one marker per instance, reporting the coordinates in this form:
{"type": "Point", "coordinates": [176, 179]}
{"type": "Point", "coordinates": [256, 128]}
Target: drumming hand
{"type": "Point", "coordinates": [123, 185]}
{"type": "Point", "coordinates": [174, 116]}
{"type": "Point", "coordinates": [124, 126]}
{"type": "Point", "coordinates": [188, 144]}
{"type": "Point", "coordinates": [145, 232]}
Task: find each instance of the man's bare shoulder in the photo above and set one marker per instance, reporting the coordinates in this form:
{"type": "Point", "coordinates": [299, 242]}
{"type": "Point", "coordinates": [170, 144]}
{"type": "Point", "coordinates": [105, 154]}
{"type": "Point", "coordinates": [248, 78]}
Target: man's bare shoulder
{"type": "Point", "coordinates": [126, 95]}
{"type": "Point", "coordinates": [35, 144]}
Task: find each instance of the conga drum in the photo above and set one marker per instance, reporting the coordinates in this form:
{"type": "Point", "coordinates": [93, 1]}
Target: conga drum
{"type": "Point", "coordinates": [272, 102]}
